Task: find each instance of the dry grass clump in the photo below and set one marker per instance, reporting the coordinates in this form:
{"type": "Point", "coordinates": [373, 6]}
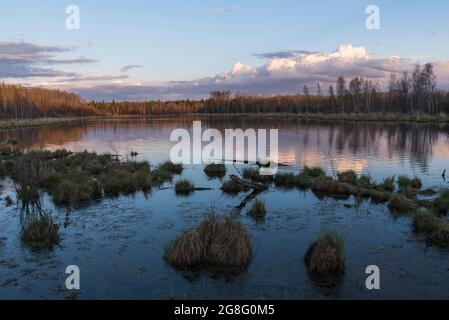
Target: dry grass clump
{"type": "Point", "coordinates": [435, 230]}
{"type": "Point", "coordinates": [218, 242]}
{"type": "Point", "coordinates": [258, 209]}
{"type": "Point", "coordinates": [326, 186]}
{"type": "Point", "coordinates": [325, 255]}
{"type": "Point", "coordinates": [41, 231]}
{"type": "Point", "coordinates": [401, 204]}
{"type": "Point", "coordinates": [215, 170]}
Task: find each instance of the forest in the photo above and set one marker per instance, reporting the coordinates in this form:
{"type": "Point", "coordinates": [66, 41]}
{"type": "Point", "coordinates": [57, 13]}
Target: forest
{"type": "Point", "coordinates": [413, 93]}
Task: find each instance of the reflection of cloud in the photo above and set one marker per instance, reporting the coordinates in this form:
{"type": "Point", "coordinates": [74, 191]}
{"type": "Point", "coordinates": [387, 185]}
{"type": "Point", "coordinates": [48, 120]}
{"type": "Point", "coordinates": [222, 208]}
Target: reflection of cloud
{"type": "Point", "coordinates": [283, 73]}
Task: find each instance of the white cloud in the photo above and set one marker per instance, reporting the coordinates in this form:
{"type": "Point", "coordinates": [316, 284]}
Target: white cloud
{"type": "Point", "coordinates": [281, 74]}
{"type": "Point", "coordinates": [224, 9]}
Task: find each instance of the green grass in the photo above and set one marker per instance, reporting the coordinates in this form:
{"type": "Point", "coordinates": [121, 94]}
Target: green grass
{"type": "Point", "coordinates": [72, 178]}
{"type": "Point", "coordinates": [313, 172]}
{"type": "Point", "coordinates": [388, 183]}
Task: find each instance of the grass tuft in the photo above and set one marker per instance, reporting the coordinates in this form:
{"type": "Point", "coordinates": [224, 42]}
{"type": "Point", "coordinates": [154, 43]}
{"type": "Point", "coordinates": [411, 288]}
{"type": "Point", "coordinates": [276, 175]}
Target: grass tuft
{"type": "Point", "coordinates": [217, 242]}
{"type": "Point", "coordinates": [41, 231]}
{"type": "Point", "coordinates": [325, 256]}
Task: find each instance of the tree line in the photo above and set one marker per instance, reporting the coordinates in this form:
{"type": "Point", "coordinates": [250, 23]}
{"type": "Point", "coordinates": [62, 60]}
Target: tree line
{"type": "Point", "coordinates": [411, 93]}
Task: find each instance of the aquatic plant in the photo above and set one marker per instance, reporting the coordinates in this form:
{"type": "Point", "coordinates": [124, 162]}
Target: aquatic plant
{"type": "Point", "coordinates": [303, 181]}
{"type": "Point", "coordinates": [41, 231]}
{"type": "Point", "coordinates": [254, 175]}
{"type": "Point", "coordinates": [231, 187]}
{"type": "Point", "coordinates": [404, 181]}
{"type": "Point", "coordinates": [388, 183]}
{"type": "Point", "coordinates": [285, 180]}
{"type": "Point", "coordinates": [441, 204]}
{"type": "Point", "coordinates": [184, 187]}
{"type": "Point", "coordinates": [379, 196]}
{"type": "Point", "coordinates": [348, 177]}
{"type": "Point", "coordinates": [401, 204]}
{"type": "Point", "coordinates": [215, 170]}
{"type": "Point", "coordinates": [326, 186]}
{"type": "Point", "coordinates": [258, 209]}
{"type": "Point", "coordinates": [171, 167]}
{"type": "Point", "coordinates": [364, 181]}
{"type": "Point", "coordinates": [217, 242]}
{"type": "Point", "coordinates": [314, 172]}
{"type": "Point", "coordinates": [326, 254]}
{"type": "Point", "coordinates": [79, 177]}
{"type": "Point", "coordinates": [435, 230]}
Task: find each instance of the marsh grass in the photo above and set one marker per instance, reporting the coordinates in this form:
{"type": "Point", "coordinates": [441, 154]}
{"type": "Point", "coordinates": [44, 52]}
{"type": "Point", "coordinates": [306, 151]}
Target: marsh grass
{"type": "Point", "coordinates": [184, 187]}
{"type": "Point", "coordinates": [258, 209]}
{"type": "Point", "coordinates": [326, 186]}
{"type": "Point", "coordinates": [404, 182]}
{"type": "Point", "coordinates": [325, 255]}
{"type": "Point", "coordinates": [435, 230]}
{"type": "Point", "coordinates": [218, 242]}
{"type": "Point", "coordinates": [388, 183]}
{"type": "Point", "coordinates": [232, 188]}
{"type": "Point", "coordinates": [72, 178]}
{"type": "Point", "coordinates": [400, 204]}
{"type": "Point", "coordinates": [254, 175]}
{"type": "Point", "coordinates": [348, 177]}
{"type": "Point", "coordinates": [41, 231]}
{"type": "Point", "coordinates": [441, 203]}
{"type": "Point", "coordinates": [215, 170]}
{"type": "Point", "coordinates": [313, 172]}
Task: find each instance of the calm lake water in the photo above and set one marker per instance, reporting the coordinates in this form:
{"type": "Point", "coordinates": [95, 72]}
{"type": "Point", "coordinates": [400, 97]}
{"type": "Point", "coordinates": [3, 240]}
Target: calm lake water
{"type": "Point", "coordinates": [118, 243]}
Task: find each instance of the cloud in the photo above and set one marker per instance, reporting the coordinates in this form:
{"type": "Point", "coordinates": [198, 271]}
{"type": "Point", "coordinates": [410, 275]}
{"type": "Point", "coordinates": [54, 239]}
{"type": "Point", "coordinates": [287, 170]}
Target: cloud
{"type": "Point", "coordinates": [130, 67]}
{"type": "Point", "coordinates": [280, 74]}
{"type": "Point", "coordinates": [281, 54]}
{"type": "Point", "coordinates": [224, 9]}
{"type": "Point", "coordinates": [28, 60]}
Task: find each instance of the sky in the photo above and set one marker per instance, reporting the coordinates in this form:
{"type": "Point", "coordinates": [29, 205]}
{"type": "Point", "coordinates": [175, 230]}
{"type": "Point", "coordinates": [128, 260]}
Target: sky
{"type": "Point", "coordinates": [141, 50]}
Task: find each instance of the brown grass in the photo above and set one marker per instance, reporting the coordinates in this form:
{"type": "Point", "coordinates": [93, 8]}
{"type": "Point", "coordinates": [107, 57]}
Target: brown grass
{"type": "Point", "coordinates": [41, 231]}
{"type": "Point", "coordinates": [328, 187]}
{"type": "Point", "coordinates": [217, 242]}
{"type": "Point", "coordinates": [435, 230]}
{"type": "Point", "coordinates": [326, 255]}
{"type": "Point", "coordinates": [401, 204]}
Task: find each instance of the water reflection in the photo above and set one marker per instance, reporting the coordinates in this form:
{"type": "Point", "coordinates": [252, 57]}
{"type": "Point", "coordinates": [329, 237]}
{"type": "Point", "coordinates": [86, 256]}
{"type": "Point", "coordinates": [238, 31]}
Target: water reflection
{"type": "Point", "coordinates": [360, 146]}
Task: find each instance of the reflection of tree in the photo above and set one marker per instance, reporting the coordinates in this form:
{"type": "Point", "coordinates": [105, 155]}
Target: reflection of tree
{"type": "Point", "coordinates": [300, 139]}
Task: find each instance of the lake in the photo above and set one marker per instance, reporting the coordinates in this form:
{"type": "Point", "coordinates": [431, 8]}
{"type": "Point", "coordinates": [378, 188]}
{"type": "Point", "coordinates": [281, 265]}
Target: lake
{"type": "Point", "coordinates": [118, 243]}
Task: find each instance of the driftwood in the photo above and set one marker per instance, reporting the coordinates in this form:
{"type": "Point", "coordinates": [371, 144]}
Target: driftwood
{"type": "Point", "coordinates": [256, 187]}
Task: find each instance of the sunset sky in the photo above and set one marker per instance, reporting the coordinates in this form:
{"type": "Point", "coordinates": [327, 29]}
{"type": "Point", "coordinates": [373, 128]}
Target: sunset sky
{"type": "Point", "coordinates": [139, 50]}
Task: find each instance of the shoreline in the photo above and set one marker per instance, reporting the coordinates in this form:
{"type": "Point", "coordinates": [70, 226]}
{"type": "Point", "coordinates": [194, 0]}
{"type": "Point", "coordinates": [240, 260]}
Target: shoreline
{"type": "Point", "coordinates": [373, 117]}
